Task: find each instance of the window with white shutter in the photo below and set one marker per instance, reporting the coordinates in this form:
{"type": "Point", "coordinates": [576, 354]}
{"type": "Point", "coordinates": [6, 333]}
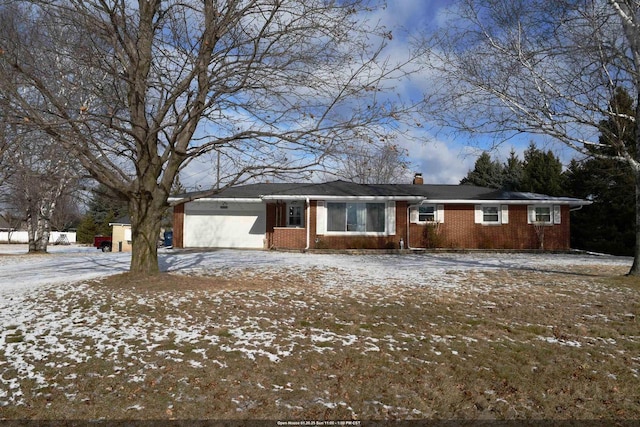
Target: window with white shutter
{"type": "Point", "coordinates": [491, 214]}
{"type": "Point", "coordinates": [540, 214]}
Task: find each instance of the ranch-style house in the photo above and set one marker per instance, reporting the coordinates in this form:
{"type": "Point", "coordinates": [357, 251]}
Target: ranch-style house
{"type": "Point", "coordinates": [345, 215]}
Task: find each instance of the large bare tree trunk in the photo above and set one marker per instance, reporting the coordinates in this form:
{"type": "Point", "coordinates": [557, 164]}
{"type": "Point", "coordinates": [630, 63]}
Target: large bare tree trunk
{"type": "Point", "coordinates": [145, 231]}
{"type": "Point", "coordinates": [146, 208]}
{"type": "Point", "coordinates": [40, 209]}
{"type": "Point", "coordinates": [38, 229]}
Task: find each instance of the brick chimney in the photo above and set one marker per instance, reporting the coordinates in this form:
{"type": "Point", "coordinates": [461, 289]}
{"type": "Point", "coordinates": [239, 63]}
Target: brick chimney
{"type": "Point", "coordinates": [417, 179]}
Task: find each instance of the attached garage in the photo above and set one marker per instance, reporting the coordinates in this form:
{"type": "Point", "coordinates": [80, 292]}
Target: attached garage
{"type": "Point", "coordinates": [219, 224]}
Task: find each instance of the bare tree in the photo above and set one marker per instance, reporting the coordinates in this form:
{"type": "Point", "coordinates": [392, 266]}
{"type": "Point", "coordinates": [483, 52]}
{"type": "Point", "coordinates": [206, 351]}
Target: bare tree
{"type": "Point", "coordinates": [367, 163]}
{"type": "Point", "coordinates": [67, 210]}
{"type": "Point", "coordinates": [506, 67]}
{"type": "Point", "coordinates": [42, 173]}
{"type": "Point", "coordinates": [136, 90]}
{"type": "Point", "coordinates": [5, 150]}
{"type": "Point", "coordinates": [13, 219]}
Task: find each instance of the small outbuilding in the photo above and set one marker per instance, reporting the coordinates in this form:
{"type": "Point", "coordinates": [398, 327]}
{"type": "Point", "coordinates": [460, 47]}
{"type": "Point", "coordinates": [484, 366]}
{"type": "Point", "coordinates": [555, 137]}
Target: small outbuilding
{"type": "Point", "coordinates": [121, 235]}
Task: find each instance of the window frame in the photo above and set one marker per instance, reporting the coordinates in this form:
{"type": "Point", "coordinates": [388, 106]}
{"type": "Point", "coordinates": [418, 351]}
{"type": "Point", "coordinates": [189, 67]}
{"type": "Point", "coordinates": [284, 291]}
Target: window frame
{"type": "Point", "coordinates": [553, 214]}
{"type": "Point", "coordinates": [535, 215]}
{"type": "Point", "coordinates": [502, 211]}
{"type": "Point", "coordinates": [361, 229]}
{"type": "Point", "coordinates": [498, 214]}
{"type": "Point", "coordinates": [295, 205]}
{"type": "Point", "coordinates": [434, 213]}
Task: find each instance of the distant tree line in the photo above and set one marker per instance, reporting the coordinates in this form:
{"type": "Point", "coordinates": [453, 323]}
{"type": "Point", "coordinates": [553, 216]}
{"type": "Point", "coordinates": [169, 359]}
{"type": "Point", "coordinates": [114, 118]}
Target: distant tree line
{"type": "Point", "coordinates": [608, 224]}
{"type": "Point", "coordinates": [539, 172]}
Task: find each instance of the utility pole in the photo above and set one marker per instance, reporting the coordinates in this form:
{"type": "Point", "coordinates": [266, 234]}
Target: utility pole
{"type": "Point", "coordinates": [218, 170]}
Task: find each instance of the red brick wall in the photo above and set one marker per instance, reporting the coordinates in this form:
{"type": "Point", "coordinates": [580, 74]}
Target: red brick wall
{"type": "Point", "coordinates": [289, 238]}
{"type": "Point", "coordinates": [457, 232]}
{"type": "Point", "coordinates": [178, 226]}
{"type": "Point", "coordinates": [460, 232]}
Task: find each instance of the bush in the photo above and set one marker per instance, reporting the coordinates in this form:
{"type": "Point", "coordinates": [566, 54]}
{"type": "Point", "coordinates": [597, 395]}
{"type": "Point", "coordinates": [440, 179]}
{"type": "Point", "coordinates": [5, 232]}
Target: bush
{"type": "Point", "coordinates": [432, 237]}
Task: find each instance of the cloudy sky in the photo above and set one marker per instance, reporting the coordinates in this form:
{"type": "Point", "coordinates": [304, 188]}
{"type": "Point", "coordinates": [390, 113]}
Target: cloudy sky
{"type": "Point", "coordinates": [442, 157]}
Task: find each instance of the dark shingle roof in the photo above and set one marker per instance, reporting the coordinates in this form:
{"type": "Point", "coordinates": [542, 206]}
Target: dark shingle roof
{"type": "Point", "coordinates": [123, 220]}
{"type": "Point", "coordinates": [350, 189]}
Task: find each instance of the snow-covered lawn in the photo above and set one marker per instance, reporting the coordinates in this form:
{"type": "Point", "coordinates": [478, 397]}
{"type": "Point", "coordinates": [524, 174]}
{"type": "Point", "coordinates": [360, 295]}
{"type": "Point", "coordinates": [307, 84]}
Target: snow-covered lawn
{"type": "Point", "coordinates": [67, 264]}
{"type": "Point", "coordinates": [256, 334]}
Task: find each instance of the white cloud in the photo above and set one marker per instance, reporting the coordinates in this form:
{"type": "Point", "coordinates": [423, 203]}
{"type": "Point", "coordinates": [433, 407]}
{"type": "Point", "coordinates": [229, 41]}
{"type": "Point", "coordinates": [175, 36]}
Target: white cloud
{"type": "Point", "coordinates": [440, 162]}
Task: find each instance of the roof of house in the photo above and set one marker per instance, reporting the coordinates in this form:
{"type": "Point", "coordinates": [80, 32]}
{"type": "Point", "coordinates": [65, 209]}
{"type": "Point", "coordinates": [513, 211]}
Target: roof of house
{"type": "Point", "coordinates": [123, 220]}
{"type": "Point", "coordinates": [343, 189]}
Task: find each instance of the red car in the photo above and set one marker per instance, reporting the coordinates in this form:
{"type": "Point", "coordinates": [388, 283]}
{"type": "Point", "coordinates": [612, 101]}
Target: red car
{"type": "Point", "coordinates": [103, 243]}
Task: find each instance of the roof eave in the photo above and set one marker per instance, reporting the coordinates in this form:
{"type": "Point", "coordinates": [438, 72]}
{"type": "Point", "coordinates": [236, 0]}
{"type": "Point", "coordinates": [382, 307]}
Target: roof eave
{"type": "Point", "coordinates": [224, 199]}
{"type": "Point", "coordinates": [572, 202]}
{"type": "Point", "coordinates": [325, 197]}
{"type": "Point", "coordinates": [410, 199]}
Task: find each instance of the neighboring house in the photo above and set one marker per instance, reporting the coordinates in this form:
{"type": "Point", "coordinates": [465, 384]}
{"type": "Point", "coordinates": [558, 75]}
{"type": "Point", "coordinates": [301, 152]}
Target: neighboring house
{"type": "Point", "coordinates": [343, 215]}
{"type": "Point", "coordinates": [121, 235]}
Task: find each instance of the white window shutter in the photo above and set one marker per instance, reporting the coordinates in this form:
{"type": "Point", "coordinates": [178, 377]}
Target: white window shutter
{"type": "Point", "coordinates": [321, 218]}
{"type": "Point", "coordinates": [504, 214]}
{"type": "Point", "coordinates": [439, 213]}
{"type": "Point", "coordinates": [531, 214]}
{"type": "Point", "coordinates": [556, 214]}
{"type": "Point", "coordinates": [478, 214]}
{"type": "Point", "coordinates": [414, 214]}
{"type": "Point", "coordinates": [391, 218]}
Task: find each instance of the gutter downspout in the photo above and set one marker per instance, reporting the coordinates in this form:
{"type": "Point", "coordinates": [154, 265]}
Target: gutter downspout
{"type": "Point", "coordinates": [308, 223]}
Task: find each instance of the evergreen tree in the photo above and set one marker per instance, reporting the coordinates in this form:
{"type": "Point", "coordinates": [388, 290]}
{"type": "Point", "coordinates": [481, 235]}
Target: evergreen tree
{"type": "Point", "coordinates": [104, 208]}
{"type": "Point", "coordinates": [87, 229]}
{"type": "Point", "coordinates": [608, 224]}
{"type": "Point", "coordinates": [486, 173]}
{"type": "Point", "coordinates": [542, 172]}
{"type": "Point", "coordinates": [512, 173]}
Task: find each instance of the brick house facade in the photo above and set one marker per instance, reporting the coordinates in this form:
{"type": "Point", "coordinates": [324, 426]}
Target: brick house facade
{"type": "Point", "coordinates": [341, 215]}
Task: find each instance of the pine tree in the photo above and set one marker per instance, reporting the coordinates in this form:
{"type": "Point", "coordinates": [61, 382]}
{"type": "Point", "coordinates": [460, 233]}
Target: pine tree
{"type": "Point", "coordinates": [512, 173]}
{"type": "Point", "coordinates": [542, 172]}
{"type": "Point", "coordinates": [486, 173]}
{"type": "Point", "coordinates": [87, 229]}
{"type": "Point", "coordinates": [104, 208]}
{"type": "Point", "coordinates": [608, 224]}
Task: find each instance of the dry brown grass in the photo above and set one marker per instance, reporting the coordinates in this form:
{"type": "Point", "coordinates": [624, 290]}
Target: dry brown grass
{"type": "Point", "coordinates": [501, 345]}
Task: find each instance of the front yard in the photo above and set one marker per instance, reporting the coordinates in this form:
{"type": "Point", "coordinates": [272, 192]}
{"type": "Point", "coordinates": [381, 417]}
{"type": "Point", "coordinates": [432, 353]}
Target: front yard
{"type": "Point", "coordinates": [284, 342]}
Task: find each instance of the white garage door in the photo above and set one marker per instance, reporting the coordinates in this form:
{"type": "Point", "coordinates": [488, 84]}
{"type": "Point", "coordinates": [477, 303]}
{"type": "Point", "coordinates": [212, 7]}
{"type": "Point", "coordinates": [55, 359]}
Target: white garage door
{"type": "Point", "coordinates": [231, 225]}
